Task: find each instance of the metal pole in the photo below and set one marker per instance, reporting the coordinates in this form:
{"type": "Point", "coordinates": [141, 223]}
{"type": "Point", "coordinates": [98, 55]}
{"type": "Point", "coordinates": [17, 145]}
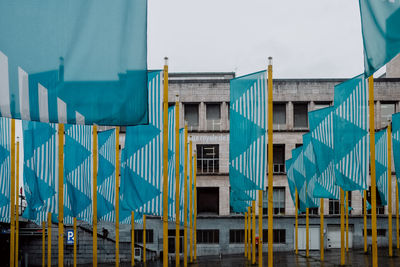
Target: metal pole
{"type": "Point", "coordinates": [61, 195]}
{"type": "Point", "coordinates": [389, 141]}
{"type": "Point", "coordinates": [270, 167]}
{"type": "Point", "coordinates": [177, 198]}
{"type": "Point", "coordinates": [245, 234]}
{"type": "Point", "coordinates": [347, 221]}
{"type": "Point", "coordinates": [195, 208]}
{"type": "Point", "coordinates": [17, 209]}
{"type": "Point", "coordinates": [12, 196]}
{"type": "Point", "coordinates": [117, 197]}
{"type": "Point", "coordinates": [185, 204]}
{"type": "Point", "coordinates": [49, 240]}
{"type": "Point", "coordinates": [75, 241]}
{"type": "Point", "coordinates": [190, 202]}
{"type": "Point", "coordinates": [94, 196]}
{"type": "Point", "coordinates": [296, 227]}
{"type": "Point", "coordinates": [260, 227]}
{"type": "Point", "coordinates": [43, 244]}
{"type": "Point", "coordinates": [307, 235]}
{"type": "Point", "coordinates": [249, 234]}
{"type": "Point", "coordinates": [165, 166]}
{"type": "Point", "coordinates": [365, 222]}
{"type": "Point", "coordinates": [144, 241]}
{"type": "Point", "coordinates": [342, 260]}
{"type": "Point", "coordinates": [373, 174]}
{"type": "Point", "coordinates": [253, 232]}
{"type": "Point", "coordinates": [132, 238]}
{"type": "Point", "coordinates": [321, 229]}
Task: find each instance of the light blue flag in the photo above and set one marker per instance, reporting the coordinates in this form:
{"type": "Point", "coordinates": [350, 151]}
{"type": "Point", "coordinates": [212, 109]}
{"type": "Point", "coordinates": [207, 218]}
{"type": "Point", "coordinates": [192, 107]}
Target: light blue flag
{"type": "Point", "coordinates": [78, 177]}
{"type": "Point", "coordinates": [248, 122]}
{"type": "Point", "coordinates": [350, 126]}
{"type": "Point", "coordinates": [171, 164]}
{"type": "Point", "coordinates": [380, 20]}
{"type": "Point", "coordinates": [299, 173]}
{"type": "Point", "coordinates": [74, 61]}
{"type": "Point", "coordinates": [182, 177]}
{"type": "Point", "coordinates": [141, 174]}
{"type": "Point", "coordinates": [381, 165]}
{"type": "Point", "coordinates": [238, 205]}
{"type": "Point", "coordinates": [290, 178]}
{"type": "Point", "coordinates": [396, 145]}
{"type": "Point", "coordinates": [40, 170]}
{"type": "Point", "coordinates": [321, 129]}
{"type": "Point", "coordinates": [311, 171]}
{"type": "Point", "coordinates": [106, 176]}
{"type": "Point", "coordinates": [5, 171]}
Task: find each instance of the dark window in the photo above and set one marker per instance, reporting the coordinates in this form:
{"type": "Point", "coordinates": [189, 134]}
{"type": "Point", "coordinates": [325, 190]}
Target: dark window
{"type": "Point", "coordinates": [387, 109]}
{"type": "Point", "coordinates": [279, 236]}
{"type": "Point", "coordinates": [380, 209]}
{"type": "Point", "coordinates": [236, 236]}
{"type": "Point", "coordinates": [192, 116]}
{"type": "Point", "coordinates": [213, 117]}
{"type": "Point", "coordinates": [313, 211]}
{"type": "Point", "coordinates": [379, 232]}
{"type": "Point", "coordinates": [208, 236]}
{"type": "Point", "coordinates": [139, 236]}
{"type": "Point", "coordinates": [279, 114]}
{"type": "Point", "coordinates": [279, 158]}
{"type": "Point", "coordinates": [278, 200]}
{"type": "Point", "coordinates": [208, 200]}
{"type": "Point", "coordinates": [298, 145]}
{"type": "Point", "coordinates": [207, 158]}
{"type": "Point", "coordinates": [334, 206]}
{"type": "Point", "coordinates": [300, 115]}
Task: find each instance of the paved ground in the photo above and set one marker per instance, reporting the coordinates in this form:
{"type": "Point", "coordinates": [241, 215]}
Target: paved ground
{"type": "Point", "coordinates": [332, 258]}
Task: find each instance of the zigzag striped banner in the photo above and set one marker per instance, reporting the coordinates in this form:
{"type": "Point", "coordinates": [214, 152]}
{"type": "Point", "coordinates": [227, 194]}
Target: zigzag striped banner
{"type": "Point", "coordinates": [381, 164]}
{"type": "Point", "coordinates": [171, 164]}
{"type": "Point", "coordinates": [299, 173]}
{"type": "Point", "coordinates": [396, 145]}
{"type": "Point", "coordinates": [350, 121]}
{"type": "Point", "coordinates": [5, 172]}
{"type": "Point", "coordinates": [182, 147]}
{"type": "Point", "coordinates": [290, 178]}
{"type": "Point", "coordinates": [309, 161]}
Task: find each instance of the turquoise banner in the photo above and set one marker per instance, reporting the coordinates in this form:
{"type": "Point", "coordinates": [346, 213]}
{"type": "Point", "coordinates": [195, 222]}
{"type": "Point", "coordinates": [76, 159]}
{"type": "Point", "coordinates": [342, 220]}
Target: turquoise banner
{"type": "Point", "coordinates": [5, 171]}
{"type": "Point", "coordinates": [311, 171]}
{"type": "Point", "coordinates": [396, 145]}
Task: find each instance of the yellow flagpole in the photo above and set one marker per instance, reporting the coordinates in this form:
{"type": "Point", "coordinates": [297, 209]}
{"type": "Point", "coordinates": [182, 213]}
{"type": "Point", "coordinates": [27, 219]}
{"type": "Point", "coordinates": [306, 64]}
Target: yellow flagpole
{"type": "Point", "coordinates": [296, 223]}
{"type": "Point", "coordinates": [165, 166]}
{"type": "Point", "coordinates": [373, 174]}
{"type": "Point", "coordinates": [17, 208]}
{"type": "Point", "coordinates": [43, 244]}
{"type": "Point", "coordinates": [190, 202]}
{"type": "Point", "coordinates": [389, 140]}
{"type": "Point", "coordinates": [117, 196]}
{"type": "Point", "coordinates": [94, 195]}
{"type": "Point", "coordinates": [253, 232]}
{"type": "Point", "coordinates": [321, 229]}
{"type": "Point", "coordinates": [185, 204]}
{"type": "Point", "coordinates": [75, 240]}
{"type": "Point", "coordinates": [342, 260]}
{"type": "Point", "coordinates": [49, 240]}
{"type": "Point", "coordinates": [61, 195]}
{"type": "Point", "coordinates": [195, 208]}
{"type": "Point", "coordinates": [365, 222]}
{"type": "Point", "coordinates": [12, 196]}
{"type": "Point", "coordinates": [307, 235]}
{"type": "Point", "coordinates": [245, 234]}
{"type": "Point", "coordinates": [270, 166]}
{"type": "Point", "coordinates": [260, 231]}
{"type": "Point", "coordinates": [144, 239]}
{"type": "Point", "coordinates": [347, 221]}
{"type": "Point", "coordinates": [132, 238]}
{"type": "Point", "coordinates": [249, 233]}
{"type": "Point", "coordinates": [397, 217]}
{"type": "Point", "coordinates": [177, 199]}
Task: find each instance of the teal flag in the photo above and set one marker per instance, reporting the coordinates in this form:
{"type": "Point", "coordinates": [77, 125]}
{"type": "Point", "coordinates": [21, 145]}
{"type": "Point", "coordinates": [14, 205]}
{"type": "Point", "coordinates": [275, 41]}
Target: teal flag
{"type": "Point", "coordinates": [350, 131]}
{"type": "Point", "coordinates": [182, 147]}
{"type": "Point", "coordinates": [77, 62]}
{"type": "Point", "coordinates": [299, 173]}
{"type": "Point", "coordinates": [381, 164]}
{"type": "Point", "coordinates": [171, 164]}
{"type": "Point", "coordinates": [321, 129]}
{"type": "Point", "coordinates": [40, 170]}
{"type": "Point", "coordinates": [5, 171]}
{"type": "Point", "coordinates": [396, 145]}
{"type": "Point", "coordinates": [380, 20]}
{"type": "Point", "coordinates": [311, 171]}
{"type": "Point", "coordinates": [290, 178]}
{"type": "Point", "coordinates": [248, 123]}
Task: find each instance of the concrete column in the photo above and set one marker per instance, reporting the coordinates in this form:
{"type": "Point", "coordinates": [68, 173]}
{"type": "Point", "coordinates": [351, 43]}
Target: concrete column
{"type": "Point", "coordinates": [289, 115]}
{"type": "Point", "coordinates": [202, 116]}
{"type": "Point", "coordinates": [356, 203]}
{"type": "Point", "coordinates": [311, 106]}
{"type": "Point", "coordinates": [377, 114]}
{"type": "Point", "coordinates": [326, 207]}
{"type": "Point", "coordinates": [224, 208]}
{"type": "Point", "coordinates": [224, 116]}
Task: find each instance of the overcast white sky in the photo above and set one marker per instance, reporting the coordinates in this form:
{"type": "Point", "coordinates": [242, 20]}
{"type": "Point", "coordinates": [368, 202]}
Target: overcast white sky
{"type": "Point", "coordinates": [307, 38]}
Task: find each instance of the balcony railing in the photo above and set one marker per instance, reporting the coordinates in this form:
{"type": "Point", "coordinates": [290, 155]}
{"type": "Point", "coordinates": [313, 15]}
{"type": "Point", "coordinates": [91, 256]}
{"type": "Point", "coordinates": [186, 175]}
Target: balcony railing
{"type": "Point", "coordinates": [213, 125]}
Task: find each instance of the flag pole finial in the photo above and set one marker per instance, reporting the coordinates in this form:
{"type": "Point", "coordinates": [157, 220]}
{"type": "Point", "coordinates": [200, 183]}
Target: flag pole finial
{"type": "Point", "coordinates": [269, 60]}
{"type": "Point", "coordinates": [177, 98]}
{"type": "Point", "coordinates": [166, 61]}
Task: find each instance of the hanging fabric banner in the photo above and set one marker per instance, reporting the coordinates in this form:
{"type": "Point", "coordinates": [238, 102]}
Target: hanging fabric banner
{"type": "Point", "coordinates": [248, 124]}
{"type": "Point", "coordinates": [182, 147]}
{"type": "Point", "coordinates": [350, 127]}
{"type": "Point", "coordinates": [57, 63]}
{"type": "Point", "coordinates": [321, 129]}
{"type": "Point", "coordinates": [40, 170]}
{"type": "Point", "coordinates": [396, 145]}
{"type": "Point", "coordinates": [380, 22]}
{"type": "Point", "coordinates": [311, 171]}
{"type": "Point", "coordinates": [5, 171]}
{"type": "Point", "coordinates": [171, 164]}
{"type": "Point", "coordinates": [381, 165]}
{"type": "Point", "coordinates": [290, 178]}
{"type": "Point", "coordinates": [299, 173]}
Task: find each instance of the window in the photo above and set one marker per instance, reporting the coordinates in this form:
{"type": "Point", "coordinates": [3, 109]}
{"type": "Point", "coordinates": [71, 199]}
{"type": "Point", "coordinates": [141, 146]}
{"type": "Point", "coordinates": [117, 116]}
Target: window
{"type": "Point", "coordinates": [208, 236]}
{"type": "Point", "coordinates": [139, 236]}
{"type": "Point", "coordinates": [278, 200]}
{"type": "Point", "coordinates": [192, 115]}
{"type": "Point", "coordinates": [298, 145]}
{"type": "Point", "coordinates": [313, 211]}
{"type": "Point", "coordinates": [236, 236]}
{"type": "Point", "coordinates": [208, 200]}
{"type": "Point", "coordinates": [380, 209]}
{"type": "Point", "coordinates": [207, 158]}
{"type": "Point", "coordinates": [334, 207]}
{"type": "Point", "coordinates": [213, 117]}
{"type": "Point", "coordinates": [279, 158]}
{"type": "Point", "coordinates": [300, 115]}
{"type": "Point", "coordinates": [319, 105]}
{"type": "Point", "coordinates": [279, 236]}
{"type": "Point", "coordinates": [279, 115]}
{"type": "Point", "coordinates": [387, 109]}
{"type": "Point", "coordinates": [379, 232]}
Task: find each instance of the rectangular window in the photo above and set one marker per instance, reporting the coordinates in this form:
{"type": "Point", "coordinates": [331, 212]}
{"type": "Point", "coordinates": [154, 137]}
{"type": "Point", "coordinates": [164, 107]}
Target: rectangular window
{"type": "Point", "coordinates": [279, 236]}
{"type": "Point", "coordinates": [319, 105]}
{"type": "Point", "coordinates": [279, 158]}
{"type": "Point", "coordinates": [300, 114]}
{"type": "Point", "coordinates": [313, 211]}
{"type": "Point", "coordinates": [192, 116]}
{"type": "Point", "coordinates": [213, 117]}
{"type": "Point", "coordinates": [207, 159]}
{"type": "Point", "coordinates": [279, 115]}
{"type": "Point", "coordinates": [334, 207]}
{"type": "Point", "coordinates": [380, 209]}
{"type": "Point", "coordinates": [278, 200]}
{"type": "Point", "coordinates": [139, 236]}
{"type": "Point", "coordinates": [236, 236]}
{"type": "Point", "coordinates": [379, 232]}
{"type": "Point", "coordinates": [387, 109]}
{"type": "Point", "coordinates": [208, 200]}
{"type": "Point", "coordinates": [208, 236]}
